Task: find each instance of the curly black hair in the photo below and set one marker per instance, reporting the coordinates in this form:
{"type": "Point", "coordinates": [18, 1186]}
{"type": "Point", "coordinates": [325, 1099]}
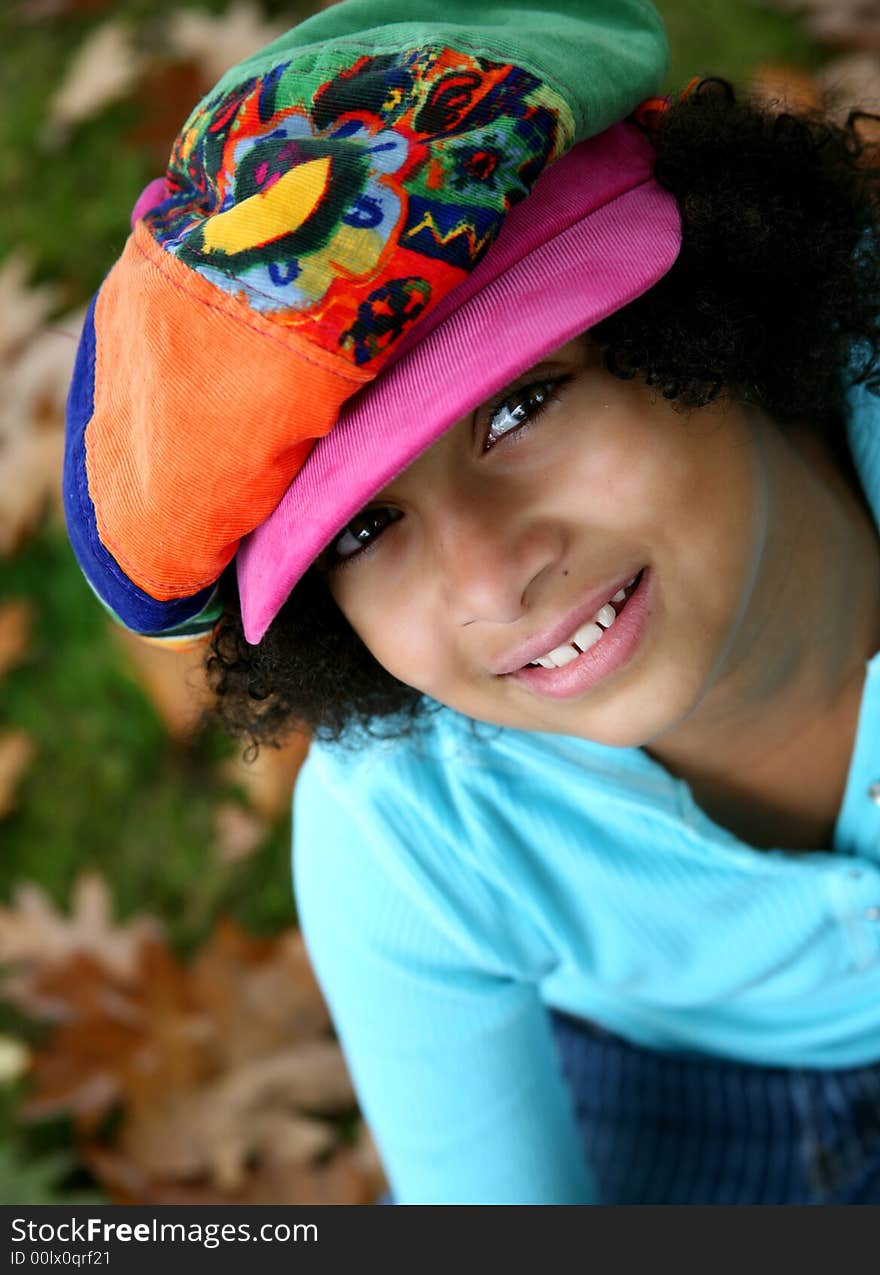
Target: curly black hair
{"type": "Point", "coordinates": [770, 298]}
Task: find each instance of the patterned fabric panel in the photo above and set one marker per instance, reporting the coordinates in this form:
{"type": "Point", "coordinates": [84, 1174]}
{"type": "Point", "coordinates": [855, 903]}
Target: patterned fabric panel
{"type": "Point", "coordinates": [346, 200]}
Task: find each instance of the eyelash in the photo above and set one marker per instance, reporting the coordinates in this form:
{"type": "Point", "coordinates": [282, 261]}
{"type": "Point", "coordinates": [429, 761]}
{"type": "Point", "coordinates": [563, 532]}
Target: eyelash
{"type": "Point", "coordinates": [328, 560]}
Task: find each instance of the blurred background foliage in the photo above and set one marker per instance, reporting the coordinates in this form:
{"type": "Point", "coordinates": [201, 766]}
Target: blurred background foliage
{"type": "Point", "coordinates": [104, 766]}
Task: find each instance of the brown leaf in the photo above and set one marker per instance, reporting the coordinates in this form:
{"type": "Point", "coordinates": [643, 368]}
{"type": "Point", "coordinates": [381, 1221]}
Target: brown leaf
{"type": "Point", "coordinates": [268, 782]}
{"type": "Point", "coordinates": [239, 832]}
{"type": "Point", "coordinates": [23, 308]}
{"type": "Point", "coordinates": [35, 375]}
{"type": "Point", "coordinates": [784, 87]}
{"type": "Point", "coordinates": [224, 1079]}
{"type": "Point", "coordinates": [851, 83]}
{"type": "Point", "coordinates": [81, 1073]}
{"type": "Point", "coordinates": [15, 632]}
{"type": "Point", "coordinates": [174, 681]}
{"type": "Point", "coordinates": [38, 10]}
{"type": "Point", "coordinates": [103, 69]}
{"type": "Point", "coordinates": [215, 42]}
{"type": "Point", "coordinates": [310, 1076]}
{"type": "Point", "coordinates": [852, 26]}
{"type": "Point", "coordinates": [116, 1038]}
{"type": "Point", "coordinates": [34, 935]}
{"type": "Point", "coordinates": [342, 1179]}
{"type": "Point", "coordinates": [17, 751]}
{"type": "Point", "coordinates": [166, 93]}
{"type": "Point", "coordinates": [220, 1128]}
{"type": "Point", "coordinates": [366, 1155]}
{"type": "Point", "coordinates": [260, 993]}
{"type": "Point", "coordinates": [842, 23]}
{"type": "Point", "coordinates": [30, 477]}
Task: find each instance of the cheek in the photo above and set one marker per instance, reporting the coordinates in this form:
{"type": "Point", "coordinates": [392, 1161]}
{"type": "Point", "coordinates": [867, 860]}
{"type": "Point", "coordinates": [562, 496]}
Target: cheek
{"type": "Point", "coordinates": [623, 480]}
{"type": "Point", "coordinates": [403, 641]}
{"type": "Point", "coordinates": [681, 489]}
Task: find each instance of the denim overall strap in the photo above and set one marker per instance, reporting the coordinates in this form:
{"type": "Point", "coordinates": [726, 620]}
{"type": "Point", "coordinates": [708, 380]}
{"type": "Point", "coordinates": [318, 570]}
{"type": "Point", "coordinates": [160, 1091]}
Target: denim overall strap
{"type": "Point", "coordinates": [660, 1128]}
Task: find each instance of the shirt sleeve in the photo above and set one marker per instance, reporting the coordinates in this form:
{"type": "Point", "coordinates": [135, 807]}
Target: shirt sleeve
{"type": "Point", "coordinates": [448, 1045]}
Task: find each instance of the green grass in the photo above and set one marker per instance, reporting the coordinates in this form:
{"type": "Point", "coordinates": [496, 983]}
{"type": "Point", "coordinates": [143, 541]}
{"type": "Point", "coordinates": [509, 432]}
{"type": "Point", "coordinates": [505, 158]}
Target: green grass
{"type": "Point", "coordinates": [731, 37]}
{"type": "Point", "coordinates": [108, 789]}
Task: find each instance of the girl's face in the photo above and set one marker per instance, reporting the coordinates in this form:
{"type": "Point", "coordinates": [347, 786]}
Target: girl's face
{"type": "Point", "coordinates": [509, 527]}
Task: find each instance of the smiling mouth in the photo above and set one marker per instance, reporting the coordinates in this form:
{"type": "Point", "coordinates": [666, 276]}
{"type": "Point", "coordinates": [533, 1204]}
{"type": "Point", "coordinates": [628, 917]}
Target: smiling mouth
{"type": "Point", "coordinates": [590, 632]}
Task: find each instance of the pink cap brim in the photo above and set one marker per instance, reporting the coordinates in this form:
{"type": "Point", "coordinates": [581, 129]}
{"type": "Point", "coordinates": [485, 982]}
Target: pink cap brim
{"type": "Point", "coordinates": [595, 233]}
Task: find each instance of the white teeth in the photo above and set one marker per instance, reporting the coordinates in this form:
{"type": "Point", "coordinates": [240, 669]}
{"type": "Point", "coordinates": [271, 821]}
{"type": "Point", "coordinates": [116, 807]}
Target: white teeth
{"type": "Point", "coordinates": [587, 634]}
{"type": "Point", "coordinates": [563, 655]}
{"type": "Point", "coordinates": [605, 616]}
{"type": "Point", "coordinates": [584, 638]}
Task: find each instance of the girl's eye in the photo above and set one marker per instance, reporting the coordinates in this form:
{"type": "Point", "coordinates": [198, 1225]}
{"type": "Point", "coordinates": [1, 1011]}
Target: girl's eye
{"type": "Point", "coordinates": [357, 537]}
{"type": "Point", "coordinates": [518, 410]}
{"type": "Point", "coordinates": [521, 408]}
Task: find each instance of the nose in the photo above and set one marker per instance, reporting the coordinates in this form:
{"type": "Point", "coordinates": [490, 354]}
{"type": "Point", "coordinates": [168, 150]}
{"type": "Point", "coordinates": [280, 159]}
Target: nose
{"type": "Point", "coordinates": [488, 558]}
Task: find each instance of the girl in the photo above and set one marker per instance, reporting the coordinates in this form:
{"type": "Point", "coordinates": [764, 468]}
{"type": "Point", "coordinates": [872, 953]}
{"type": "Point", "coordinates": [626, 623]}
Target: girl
{"type": "Point", "coordinates": [578, 589]}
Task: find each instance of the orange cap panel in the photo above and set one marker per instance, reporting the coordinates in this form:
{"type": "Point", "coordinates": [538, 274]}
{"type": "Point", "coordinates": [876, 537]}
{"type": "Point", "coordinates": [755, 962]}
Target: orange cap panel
{"type": "Point", "coordinates": [180, 469]}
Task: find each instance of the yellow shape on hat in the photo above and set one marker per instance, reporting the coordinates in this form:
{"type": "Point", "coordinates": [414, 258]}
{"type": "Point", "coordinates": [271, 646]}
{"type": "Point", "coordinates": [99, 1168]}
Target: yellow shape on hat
{"type": "Point", "coordinates": [269, 214]}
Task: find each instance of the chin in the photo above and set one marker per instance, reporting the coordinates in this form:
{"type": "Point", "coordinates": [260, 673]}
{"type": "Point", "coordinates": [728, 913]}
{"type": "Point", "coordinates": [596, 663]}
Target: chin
{"type": "Point", "coordinates": [634, 720]}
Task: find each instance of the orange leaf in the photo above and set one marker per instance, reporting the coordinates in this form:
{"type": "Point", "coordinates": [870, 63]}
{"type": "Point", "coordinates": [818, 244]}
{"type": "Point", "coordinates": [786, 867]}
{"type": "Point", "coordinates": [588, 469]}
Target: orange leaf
{"type": "Point", "coordinates": [15, 630]}
{"type": "Point", "coordinates": [268, 781]}
{"type": "Point", "coordinates": [785, 87]}
{"type": "Point", "coordinates": [16, 753]}
{"type": "Point", "coordinates": [173, 681]}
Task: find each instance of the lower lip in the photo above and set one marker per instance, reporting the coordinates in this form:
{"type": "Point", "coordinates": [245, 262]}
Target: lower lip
{"type": "Point", "coordinates": [602, 659]}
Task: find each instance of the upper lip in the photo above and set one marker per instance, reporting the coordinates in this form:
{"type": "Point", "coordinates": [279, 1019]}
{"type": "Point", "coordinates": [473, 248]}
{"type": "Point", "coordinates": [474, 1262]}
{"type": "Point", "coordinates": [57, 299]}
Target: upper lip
{"type": "Point", "coordinates": [548, 639]}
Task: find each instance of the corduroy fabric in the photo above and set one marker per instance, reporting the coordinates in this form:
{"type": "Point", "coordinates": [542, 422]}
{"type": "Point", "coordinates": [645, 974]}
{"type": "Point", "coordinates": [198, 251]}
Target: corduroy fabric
{"type": "Point", "coordinates": [595, 233]}
{"type": "Point", "coordinates": [318, 203]}
{"type": "Point", "coordinates": [187, 430]}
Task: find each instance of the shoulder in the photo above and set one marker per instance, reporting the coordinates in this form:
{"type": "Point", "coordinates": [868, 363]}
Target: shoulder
{"type": "Point", "coordinates": [449, 769]}
{"type": "Point", "coordinates": [382, 836]}
{"type": "Point", "coordinates": [391, 779]}
{"type": "Point", "coordinates": [465, 803]}
{"type": "Point", "coordinates": [371, 758]}
{"type": "Point", "coordinates": [462, 776]}
{"type": "Point", "coordinates": [391, 810]}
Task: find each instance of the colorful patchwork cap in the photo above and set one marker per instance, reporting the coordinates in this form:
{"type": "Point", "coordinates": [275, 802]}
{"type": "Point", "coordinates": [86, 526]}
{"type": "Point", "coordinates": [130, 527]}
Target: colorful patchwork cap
{"type": "Point", "coordinates": [363, 231]}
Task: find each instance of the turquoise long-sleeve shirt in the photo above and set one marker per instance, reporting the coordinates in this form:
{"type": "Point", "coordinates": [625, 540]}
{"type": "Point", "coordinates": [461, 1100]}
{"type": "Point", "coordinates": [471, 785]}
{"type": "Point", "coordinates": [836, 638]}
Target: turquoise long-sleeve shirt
{"type": "Point", "coordinates": [451, 889]}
